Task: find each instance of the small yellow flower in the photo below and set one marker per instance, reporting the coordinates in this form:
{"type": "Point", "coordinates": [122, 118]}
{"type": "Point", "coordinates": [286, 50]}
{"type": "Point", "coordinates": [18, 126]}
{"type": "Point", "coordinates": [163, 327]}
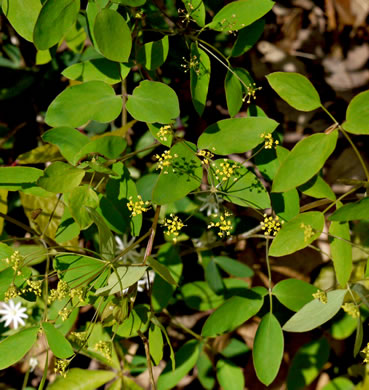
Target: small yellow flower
{"type": "Point", "coordinates": [11, 293]}
{"type": "Point", "coordinates": [226, 171]}
{"type": "Point", "coordinates": [251, 93]}
{"type": "Point", "coordinates": [193, 64]}
{"type": "Point", "coordinates": [207, 156]}
{"type": "Point", "coordinates": [165, 160]}
{"type": "Point", "coordinates": [174, 225]}
{"type": "Point", "coordinates": [223, 224]}
{"type": "Point", "coordinates": [138, 207]}
{"type": "Point", "coordinates": [164, 132]}
{"type": "Point", "coordinates": [78, 337]}
{"type": "Point", "coordinates": [105, 348]}
{"type": "Point", "coordinates": [270, 225]}
{"type": "Point", "coordinates": [77, 293]}
{"type": "Point", "coordinates": [16, 261]}
{"type": "Point", "coordinates": [64, 313]}
{"type": "Point", "coordinates": [321, 296]}
{"type": "Point", "coordinates": [366, 352]}
{"type": "Point", "coordinates": [61, 366]}
{"type": "Point", "coordinates": [269, 141]}
{"type": "Point", "coordinates": [351, 309]}
{"type": "Point", "coordinates": [60, 292]}
{"type": "Point", "coordinates": [33, 286]}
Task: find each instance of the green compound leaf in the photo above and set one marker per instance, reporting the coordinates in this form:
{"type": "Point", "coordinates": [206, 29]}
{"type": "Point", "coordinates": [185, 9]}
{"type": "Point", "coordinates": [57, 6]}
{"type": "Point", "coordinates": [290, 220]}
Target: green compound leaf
{"type": "Point", "coordinates": [304, 161]}
{"type": "Point", "coordinates": [229, 375]}
{"type": "Point", "coordinates": [22, 15]}
{"type": "Point", "coordinates": [297, 233]}
{"type": "Point", "coordinates": [13, 348]}
{"type": "Point", "coordinates": [239, 14]}
{"type": "Point", "coordinates": [317, 188]}
{"type": "Point", "coordinates": [357, 114]}
{"type": "Point", "coordinates": [153, 54]}
{"type": "Point", "coordinates": [268, 349]}
{"type": "Point", "coordinates": [109, 146]}
{"type": "Point", "coordinates": [233, 267]}
{"type": "Point", "coordinates": [138, 320]}
{"type": "Point", "coordinates": [352, 211]}
{"type": "Point", "coordinates": [236, 135]}
{"type": "Point", "coordinates": [76, 201]}
{"type": "Point", "coordinates": [153, 102]}
{"type": "Point", "coordinates": [242, 188]}
{"type": "Point", "coordinates": [196, 8]}
{"type": "Point", "coordinates": [162, 291]}
{"type": "Point", "coordinates": [54, 20]}
{"type": "Point", "coordinates": [112, 35]}
{"type": "Point", "coordinates": [286, 204]}
{"type": "Point", "coordinates": [307, 364]}
{"type": "Point", "coordinates": [60, 177]}
{"type": "Point", "coordinates": [205, 371]}
{"type": "Point", "coordinates": [77, 269]}
{"type": "Point", "coordinates": [106, 239]}
{"type": "Point", "coordinates": [234, 93]}
{"type": "Point", "coordinates": [315, 313]}
{"type": "Point", "coordinates": [294, 293]}
{"type": "Point", "coordinates": [162, 270]}
{"type": "Point", "coordinates": [68, 140]}
{"type": "Point", "coordinates": [295, 89]}
{"type": "Point", "coordinates": [185, 359]}
{"type": "Point", "coordinates": [19, 178]}
{"type": "Point", "coordinates": [59, 345]}
{"type": "Point", "coordinates": [156, 343]}
{"type": "Point", "coordinates": [247, 37]}
{"type": "Point", "coordinates": [183, 175]}
{"type": "Point", "coordinates": [200, 78]}
{"type": "Point", "coordinates": [114, 208]}
{"type": "Point", "coordinates": [76, 105]}
{"type": "Point", "coordinates": [80, 379]}
{"type": "Point", "coordinates": [99, 69]}
{"type": "Point", "coordinates": [130, 3]}
{"type": "Point", "coordinates": [231, 314]}
{"type": "Point", "coordinates": [125, 276]}
{"type": "Point", "coordinates": [341, 251]}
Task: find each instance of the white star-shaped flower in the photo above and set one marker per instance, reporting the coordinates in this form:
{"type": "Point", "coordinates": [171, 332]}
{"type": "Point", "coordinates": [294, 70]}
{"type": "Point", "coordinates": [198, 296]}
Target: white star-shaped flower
{"type": "Point", "coordinates": [12, 313]}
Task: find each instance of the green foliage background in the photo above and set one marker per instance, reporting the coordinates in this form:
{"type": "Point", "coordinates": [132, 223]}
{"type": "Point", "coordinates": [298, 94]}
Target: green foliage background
{"type": "Point", "coordinates": [147, 231]}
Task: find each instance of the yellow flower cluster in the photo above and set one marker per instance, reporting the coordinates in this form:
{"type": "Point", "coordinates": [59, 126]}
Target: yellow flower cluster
{"type": "Point", "coordinates": [174, 225]}
{"type": "Point", "coordinates": [269, 141]}
{"type": "Point", "coordinates": [138, 207]}
{"type": "Point", "coordinates": [270, 225]}
{"type": "Point", "coordinates": [207, 156]}
{"type": "Point", "coordinates": [226, 170]}
{"type": "Point", "coordinates": [78, 337]}
{"type": "Point", "coordinates": [64, 313]}
{"type": "Point", "coordinates": [33, 286]}
{"type": "Point", "coordinates": [164, 132]}
{"type": "Point", "coordinates": [15, 261]}
{"type": "Point", "coordinates": [251, 93]}
{"type": "Point", "coordinates": [60, 292]}
{"type": "Point", "coordinates": [224, 224]}
{"type": "Point", "coordinates": [308, 231]}
{"type": "Point", "coordinates": [193, 64]}
{"type": "Point", "coordinates": [366, 352]}
{"type": "Point", "coordinates": [60, 367]}
{"type": "Point", "coordinates": [165, 160]}
{"type": "Point", "coordinates": [77, 293]}
{"type": "Point", "coordinates": [11, 293]}
{"type": "Point", "coordinates": [321, 296]}
{"type": "Point", "coordinates": [105, 348]}
{"type": "Point", "coordinates": [230, 25]}
{"type": "Point", "coordinates": [351, 309]}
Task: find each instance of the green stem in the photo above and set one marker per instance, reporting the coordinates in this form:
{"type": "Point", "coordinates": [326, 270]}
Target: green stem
{"type": "Point", "coordinates": [365, 169]}
{"type": "Point", "coordinates": [152, 235]}
{"type": "Point", "coordinates": [341, 197]}
{"type": "Point", "coordinates": [269, 276]}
